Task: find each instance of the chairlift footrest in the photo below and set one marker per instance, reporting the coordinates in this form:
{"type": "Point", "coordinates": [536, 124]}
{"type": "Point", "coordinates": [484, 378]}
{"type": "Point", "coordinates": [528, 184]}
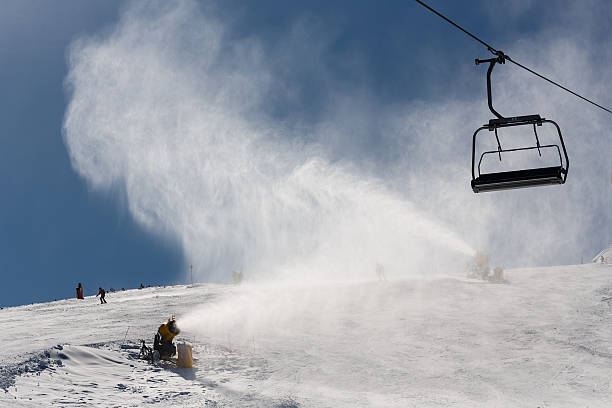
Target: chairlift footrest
{"type": "Point", "coordinates": [518, 179]}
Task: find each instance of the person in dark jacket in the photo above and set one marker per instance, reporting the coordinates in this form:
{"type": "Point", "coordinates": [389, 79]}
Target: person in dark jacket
{"type": "Point", "coordinates": [101, 293]}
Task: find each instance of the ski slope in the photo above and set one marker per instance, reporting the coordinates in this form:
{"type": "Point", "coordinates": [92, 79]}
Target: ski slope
{"type": "Point", "coordinates": [542, 340]}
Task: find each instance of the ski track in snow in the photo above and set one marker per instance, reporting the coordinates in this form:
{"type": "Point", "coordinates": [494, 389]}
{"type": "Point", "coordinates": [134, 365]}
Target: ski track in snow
{"type": "Point", "coordinates": [543, 340]}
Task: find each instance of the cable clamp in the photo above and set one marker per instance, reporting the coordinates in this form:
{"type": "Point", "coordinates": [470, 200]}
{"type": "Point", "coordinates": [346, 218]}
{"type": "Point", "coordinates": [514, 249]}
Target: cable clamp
{"type": "Point", "coordinates": [501, 57]}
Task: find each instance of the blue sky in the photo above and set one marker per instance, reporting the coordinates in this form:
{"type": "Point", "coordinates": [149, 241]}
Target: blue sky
{"type": "Point", "coordinates": [333, 78]}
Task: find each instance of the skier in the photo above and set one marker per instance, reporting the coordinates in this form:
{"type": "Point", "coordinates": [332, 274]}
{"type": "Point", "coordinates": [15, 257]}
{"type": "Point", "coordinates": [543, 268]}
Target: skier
{"type": "Point", "coordinates": [79, 291]}
{"type": "Point", "coordinates": [163, 339]}
{"type": "Point", "coordinates": [101, 293]}
{"type": "Point", "coordinates": [380, 272]}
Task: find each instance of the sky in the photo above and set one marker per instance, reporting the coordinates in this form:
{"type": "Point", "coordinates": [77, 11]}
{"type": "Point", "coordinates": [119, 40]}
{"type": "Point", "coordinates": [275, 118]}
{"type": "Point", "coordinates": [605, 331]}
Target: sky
{"type": "Point", "coordinates": [293, 141]}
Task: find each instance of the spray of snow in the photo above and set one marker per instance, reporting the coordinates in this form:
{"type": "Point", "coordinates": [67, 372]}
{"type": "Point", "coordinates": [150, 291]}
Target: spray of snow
{"type": "Point", "coordinates": [170, 112]}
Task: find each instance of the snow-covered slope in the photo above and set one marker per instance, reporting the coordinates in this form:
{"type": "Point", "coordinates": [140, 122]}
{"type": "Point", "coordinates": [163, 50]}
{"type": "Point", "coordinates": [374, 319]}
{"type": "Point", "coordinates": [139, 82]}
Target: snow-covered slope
{"type": "Point", "coordinates": [543, 339]}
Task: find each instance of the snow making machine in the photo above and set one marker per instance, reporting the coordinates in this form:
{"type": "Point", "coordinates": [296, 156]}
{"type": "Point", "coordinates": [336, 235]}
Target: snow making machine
{"type": "Point", "coordinates": [162, 342]}
{"type": "Point", "coordinates": [163, 346]}
{"type": "Point", "coordinates": [530, 177]}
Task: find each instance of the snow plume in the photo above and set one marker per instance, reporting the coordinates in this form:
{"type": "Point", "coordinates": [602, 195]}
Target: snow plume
{"type": "Point", "coordinates": [169, 110]}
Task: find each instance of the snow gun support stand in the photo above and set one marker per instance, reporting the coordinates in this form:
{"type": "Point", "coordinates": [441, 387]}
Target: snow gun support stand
{"type": "Point", "coordinates": [518, 178]}
{"type": "Point", "coordinates": [146, 352]}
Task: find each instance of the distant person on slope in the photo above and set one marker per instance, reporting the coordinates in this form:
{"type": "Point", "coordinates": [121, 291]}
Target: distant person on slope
{"type": "Point", "coordinates": [79, 291]}
{"type": "Point", "coordinates": [101, 293]}
{"type": "Point", "coordinates": [380, 272]}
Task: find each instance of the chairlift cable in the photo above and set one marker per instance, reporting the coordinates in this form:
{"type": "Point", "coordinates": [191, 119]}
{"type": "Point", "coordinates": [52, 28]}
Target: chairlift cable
{"type": "Point", "coordinates": [493, 50]}
{"type": "Point", "coordinates": [559, 85]}
{"type": "Point", "coordinates": [499, 53]}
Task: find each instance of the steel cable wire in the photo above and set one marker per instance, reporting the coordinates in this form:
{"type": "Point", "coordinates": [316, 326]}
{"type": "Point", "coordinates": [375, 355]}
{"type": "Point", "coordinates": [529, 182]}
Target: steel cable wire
{"type": "Point", "coordinates": [496, 52]}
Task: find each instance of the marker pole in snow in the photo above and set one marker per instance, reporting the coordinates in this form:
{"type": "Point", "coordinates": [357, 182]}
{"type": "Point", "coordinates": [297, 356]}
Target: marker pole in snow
{"type": "Point", "coordinates": [191, 272]}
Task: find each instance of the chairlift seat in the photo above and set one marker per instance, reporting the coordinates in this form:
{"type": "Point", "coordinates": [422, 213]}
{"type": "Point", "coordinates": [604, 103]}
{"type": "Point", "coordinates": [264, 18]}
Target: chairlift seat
{"type": "Point", "coordinates": [506, 180]}
{"type": "Point", "coordinates": [532, 177]}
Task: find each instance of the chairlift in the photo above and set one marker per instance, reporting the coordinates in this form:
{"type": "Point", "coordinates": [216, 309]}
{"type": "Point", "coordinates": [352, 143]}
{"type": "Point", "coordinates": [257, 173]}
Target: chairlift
{"type": "Point", "coordinates": [531, 177]}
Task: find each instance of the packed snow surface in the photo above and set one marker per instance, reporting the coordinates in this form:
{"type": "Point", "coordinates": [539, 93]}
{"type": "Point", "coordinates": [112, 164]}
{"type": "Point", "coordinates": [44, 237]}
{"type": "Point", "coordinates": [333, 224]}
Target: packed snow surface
{"type": "Point", "coordinates": [543, 339]}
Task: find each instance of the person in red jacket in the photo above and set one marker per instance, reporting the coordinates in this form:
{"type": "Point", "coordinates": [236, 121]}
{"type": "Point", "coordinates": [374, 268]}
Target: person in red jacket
{"type": "Point", "coordinates": [101, 293]}
{"type": "Point", "coordinates": [79, 291]}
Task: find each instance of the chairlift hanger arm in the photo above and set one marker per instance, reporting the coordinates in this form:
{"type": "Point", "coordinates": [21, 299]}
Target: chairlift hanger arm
{"type": "Point", "coordinates": [501, 58]}
{"type": "Point", "coordinates": [502, 121]}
